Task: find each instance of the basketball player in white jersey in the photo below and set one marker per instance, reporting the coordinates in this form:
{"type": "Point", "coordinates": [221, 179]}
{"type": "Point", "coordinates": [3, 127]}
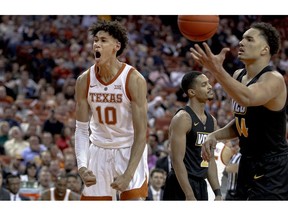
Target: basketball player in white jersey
{"type": "Point", "coordinates": [111, 121]}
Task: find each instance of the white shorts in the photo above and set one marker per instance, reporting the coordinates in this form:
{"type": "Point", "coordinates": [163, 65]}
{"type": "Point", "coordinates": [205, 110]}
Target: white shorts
{"type": "Point", "coordinates": [107, 164]}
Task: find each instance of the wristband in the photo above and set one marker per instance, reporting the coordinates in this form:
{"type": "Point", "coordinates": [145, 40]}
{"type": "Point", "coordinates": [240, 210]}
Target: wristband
{"type": "Point", "coordinates": [217, 192]}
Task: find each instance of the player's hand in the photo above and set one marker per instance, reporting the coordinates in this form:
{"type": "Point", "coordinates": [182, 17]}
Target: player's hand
{"type": "Point", "coordinates": [87, 176]}
{"type": "Point", "coordinates": [207, 147]}
{"type": "Point", "coordinates": [121, 183]}
{"type": "Point", "coordinates": [207, 59]}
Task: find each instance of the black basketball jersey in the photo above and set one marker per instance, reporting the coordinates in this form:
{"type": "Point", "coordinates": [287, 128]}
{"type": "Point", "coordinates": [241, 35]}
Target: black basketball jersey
{"type": "Point", "coordinates": [261, 131]}
{"type": "Point", "coordinates": [194, 140]}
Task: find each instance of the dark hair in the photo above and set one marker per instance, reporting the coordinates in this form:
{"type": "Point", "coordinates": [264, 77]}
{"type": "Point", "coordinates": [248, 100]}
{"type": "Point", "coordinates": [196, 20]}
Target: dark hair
{"type": "Point", "coordinates": [270, 34]}
{"type": "Point", "coordinates": [11, 176]}
{"type": "Point", "coordinates": [155, 136]}
{"type": "Point", "coordinates": [31, 164]}
{"type": "Point", "coordinates": [115, 29]}
{"type": "Point", "coordinates": [157, 170]}
{"type": "Point", "coordinates": [188, 80]}
{"type": "Point", "coordinates": [68, 175]}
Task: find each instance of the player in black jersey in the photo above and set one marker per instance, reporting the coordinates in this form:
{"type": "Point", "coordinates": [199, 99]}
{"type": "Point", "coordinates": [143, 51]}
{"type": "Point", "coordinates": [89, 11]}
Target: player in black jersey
{"type": "Point", "coordinates": [259, 103]}
{"type": "Point", "coordinates": [188, 130]}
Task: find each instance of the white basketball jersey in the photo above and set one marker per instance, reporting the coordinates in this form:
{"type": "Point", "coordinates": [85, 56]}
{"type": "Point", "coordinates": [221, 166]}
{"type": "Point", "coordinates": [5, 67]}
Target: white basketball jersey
{"type": "Point", "coordinates": [111, 122]}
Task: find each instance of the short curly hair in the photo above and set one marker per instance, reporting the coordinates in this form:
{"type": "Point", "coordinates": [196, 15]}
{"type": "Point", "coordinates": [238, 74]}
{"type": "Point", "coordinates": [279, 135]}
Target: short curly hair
{"type": "Point", "coordinates": [271, 35]}
{"type": "Point", "coordinates": [115, 29]}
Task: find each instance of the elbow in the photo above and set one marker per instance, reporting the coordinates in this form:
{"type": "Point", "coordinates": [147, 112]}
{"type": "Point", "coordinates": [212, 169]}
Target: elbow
{"type": "Point", "coordinates": [244, 101]}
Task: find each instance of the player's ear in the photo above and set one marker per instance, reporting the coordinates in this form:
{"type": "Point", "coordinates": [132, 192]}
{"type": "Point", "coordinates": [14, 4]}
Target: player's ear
{"type": "Point", "coordinates": [266, 50]}
{"type": "Point", "coordinates": [191, 92]}
{"type": "Point", "coordinates": [118, 46]}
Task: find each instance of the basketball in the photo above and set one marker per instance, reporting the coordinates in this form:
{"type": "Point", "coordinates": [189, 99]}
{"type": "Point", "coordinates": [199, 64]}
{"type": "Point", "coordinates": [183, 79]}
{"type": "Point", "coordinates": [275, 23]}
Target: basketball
{"type": "Point", "coordinates": [198, 27]}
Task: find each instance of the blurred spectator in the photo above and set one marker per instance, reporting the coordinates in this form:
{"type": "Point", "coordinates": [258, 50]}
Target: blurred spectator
{"type": "Point", "coordinates": [46, 64]}
{"type": "Point", "coordinates": [9, 90]}
{"type": "Point", "coordinates": [33, 151]}
{"type": "Point", "coordinates": [171, 104]}
{"type": "Point", "coordinates": [56, 153]}
{"type": "Point", "coordinates": [160, 77]}
{"type": "Point", "coordinates": [29, 182]}
{"type": "Point", "coordinates": [53, 125]}
{"type": "Point", "coordinates": [4, 130]}
{"type": "Point", "coordinates": [164, 162]}
{"type": "Point", "coordinates": [59, 191]}
{"type": "Point", "coordinates": [152, 158]}
{"type": "Point", "coordinates": [71, 123]}
{"type": "Point", "coordinates": [44, 179]}
{"type": "Point", "coordinates": [15, 145]}
{"type": "Point", "coordinates": [26, 86]}
{"type": "Point", "coordinates": [9, 116]}
{"type": "Point", "coordinates": [74, 183]}
{"type": "Point", "coordinates": [156, 109]}
{"type": "Point", "coordinates": [162, 136]}
{"type": "Point", "coordinates": [68, 88]}
{"type": "Point", "coordinates": [13, 185]}
{"type": "Point", "coordinates": [70, 164]}
{"type": "Point", "coordinates": [156, 182]}
{"type": "Point", "coordinates": [45, 157]}
{"type": "Point", "coordinates": [29, 178]}
{"type": "Point", "coordinates": [63, 141]}
{"type": "Point", "coordinates": [5, 100]}
{"type": "Point", "coordinates": [55, 170]}
{"type": "Point", "coordinates": [47, 139]}
{"type": "Point", "coordinates": [4, 193]}
{"type": "Point", "coordinates": [153, 142]}
{"type": "Point", "coordinates": [30, 124]}
{"type": "Point", "coordinates": [232, 170]}
{"type": "Point", "coordinates": [15, 166]}
{"type": "Point", "coordinates": [33, 129]}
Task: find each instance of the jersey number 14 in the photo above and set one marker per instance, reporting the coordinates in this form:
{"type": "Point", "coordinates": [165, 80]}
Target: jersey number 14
{"type": "Point", "coordinates": [241, 127]}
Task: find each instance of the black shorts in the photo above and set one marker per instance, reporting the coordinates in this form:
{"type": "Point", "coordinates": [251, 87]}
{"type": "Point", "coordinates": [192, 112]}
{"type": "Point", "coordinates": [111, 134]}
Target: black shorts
{"type": "Point", "coordinates": [173, 191]}
{"type": "Point", "coordinates": [264, 179]}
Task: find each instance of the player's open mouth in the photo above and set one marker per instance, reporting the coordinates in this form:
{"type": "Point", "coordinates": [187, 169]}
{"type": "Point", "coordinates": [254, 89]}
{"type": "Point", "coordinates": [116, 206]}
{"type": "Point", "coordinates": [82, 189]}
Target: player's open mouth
{"type": "Point", "coordinates": [97, 54]}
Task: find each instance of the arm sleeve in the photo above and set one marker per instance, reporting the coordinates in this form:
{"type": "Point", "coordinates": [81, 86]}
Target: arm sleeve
{"type": "Point", "coordinates": [82, 143]}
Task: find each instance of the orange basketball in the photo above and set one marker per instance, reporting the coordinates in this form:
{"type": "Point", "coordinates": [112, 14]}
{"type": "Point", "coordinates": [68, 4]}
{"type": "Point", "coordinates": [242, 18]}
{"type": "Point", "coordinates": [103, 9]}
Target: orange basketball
{"type": "Point", "coordinates": [198, 27]}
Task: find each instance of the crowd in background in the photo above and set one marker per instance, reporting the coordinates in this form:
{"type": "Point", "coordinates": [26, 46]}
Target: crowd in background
{"type": "Point", "coordinates": [41, 58]}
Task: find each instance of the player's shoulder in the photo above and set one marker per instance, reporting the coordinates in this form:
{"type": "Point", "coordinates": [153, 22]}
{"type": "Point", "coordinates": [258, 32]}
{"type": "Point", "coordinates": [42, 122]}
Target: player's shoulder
{"type": "Point", "coordinates": [275, 73]}
{"type": "Point", "coordinates": [181, 121]}
{"type": "Point", "coordinates": [136, 75]}
{"type": "Point", "coordinates": [274, 77]}
{"type": "Point", "coordinates": [182, 115]}
{"type": "Point", "coordinates": [136, 82]}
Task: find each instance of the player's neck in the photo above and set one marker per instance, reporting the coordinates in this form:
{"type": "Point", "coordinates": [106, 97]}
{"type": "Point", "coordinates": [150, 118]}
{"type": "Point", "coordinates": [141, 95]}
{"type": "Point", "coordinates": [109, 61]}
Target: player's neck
{"type": "Point", "coordinates": [254, 68]}
{"type": "Point", "coordinates": [198, 108]}
{"type": "Point", "coordinates": [107, 71]}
